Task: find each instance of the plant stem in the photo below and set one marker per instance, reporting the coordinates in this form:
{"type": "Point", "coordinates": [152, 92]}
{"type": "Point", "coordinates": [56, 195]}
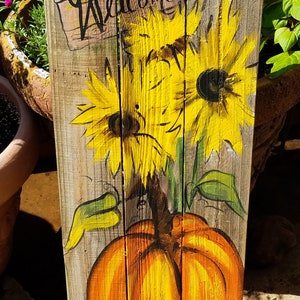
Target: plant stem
{"type": "Point", "coordinates": [162, 218]}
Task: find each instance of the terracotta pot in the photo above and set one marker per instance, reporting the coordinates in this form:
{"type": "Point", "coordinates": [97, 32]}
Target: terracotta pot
{"type": "Point", "coordinates": [274, 98]}
{"type": "Point", "coordinates": [17, 161]}
{"type": "Point", "coordinates": [31, 82]}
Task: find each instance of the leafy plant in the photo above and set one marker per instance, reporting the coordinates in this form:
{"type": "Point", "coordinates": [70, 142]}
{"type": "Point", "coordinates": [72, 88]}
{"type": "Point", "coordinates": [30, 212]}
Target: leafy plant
{"type": "Point", "coordinates": [31, 35]}
{"type": "Point", "coordinates": [9, 4]}
{"type": "Point", "coordinates": [280, 40]}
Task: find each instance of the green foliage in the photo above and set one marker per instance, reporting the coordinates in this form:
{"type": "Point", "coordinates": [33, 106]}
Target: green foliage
{"type": "Point", "coordinates": [281, 25]}
{"type": "Point", "coordinates": [218, 186]}
{"type": "Point", "coordinates": [31, 35]}
{"type": "Point", "coordinates": [95, 214]}
{"type": "Point", "coordinates": [8, 5]}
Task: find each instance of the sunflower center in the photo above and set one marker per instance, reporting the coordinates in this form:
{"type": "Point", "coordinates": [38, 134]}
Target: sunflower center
{"type": "Point", "coordinates": [125, 125]}
{"type": "Point", "coordinates": [210, 84]}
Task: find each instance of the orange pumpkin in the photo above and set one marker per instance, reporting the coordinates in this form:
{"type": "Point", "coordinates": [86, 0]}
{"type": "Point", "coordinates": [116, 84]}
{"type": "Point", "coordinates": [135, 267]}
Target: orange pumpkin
{"type": "Point", "coordinates": [194, 262]}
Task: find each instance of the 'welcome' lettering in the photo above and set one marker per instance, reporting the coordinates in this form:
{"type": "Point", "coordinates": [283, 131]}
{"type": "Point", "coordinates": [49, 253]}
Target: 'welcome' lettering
{"type": "Point", "coordinates": [97, 18]}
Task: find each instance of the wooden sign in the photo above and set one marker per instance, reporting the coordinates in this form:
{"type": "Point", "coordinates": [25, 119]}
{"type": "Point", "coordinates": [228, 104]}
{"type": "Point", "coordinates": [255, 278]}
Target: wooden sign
{"type": "Point", "coordinates": [154, 114]}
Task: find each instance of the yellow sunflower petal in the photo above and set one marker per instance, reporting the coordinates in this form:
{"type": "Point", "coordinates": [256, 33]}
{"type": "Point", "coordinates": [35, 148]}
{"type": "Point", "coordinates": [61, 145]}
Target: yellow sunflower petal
{"type": "Point", "coordinates": [85, 117]}
{"type": "Point", "coordinates": [146, 97]}
{"type": "Point", "coordinates": [240, 65]}
{"type": "Point", "coordinates": [114, 160]}
{"type": "Point", "coordinates": [228, 25]}
{"type": "Point", "coordinates": [95, 116]}
{"type": "Point", "coordinates": [156, 31]}
{"type": "Point", "coordinates": [97, 92]}
{"type": "Point", "coordinates": [218, 83]}
{"type": "Point", "coordinates": [146, 141]}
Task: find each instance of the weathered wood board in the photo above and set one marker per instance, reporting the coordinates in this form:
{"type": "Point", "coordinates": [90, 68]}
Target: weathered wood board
{"type": "Point", "coordinates": [154, 114]}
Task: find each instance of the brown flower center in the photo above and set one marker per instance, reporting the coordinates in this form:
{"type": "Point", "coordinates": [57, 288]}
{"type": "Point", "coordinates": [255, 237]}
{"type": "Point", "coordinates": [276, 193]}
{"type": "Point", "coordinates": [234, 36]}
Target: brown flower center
{"type": "Point", "coordinates": [124, 125]}
{"type": "Point", "coordinates": [210, 84]}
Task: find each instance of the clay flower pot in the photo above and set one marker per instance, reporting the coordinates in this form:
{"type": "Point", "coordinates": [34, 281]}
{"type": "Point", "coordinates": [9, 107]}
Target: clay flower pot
{"type": "Point", "coordinates": [32, 83]}
{"type": "Point", "coordinates": [17, 161]}
{"type": "Point", "coordinates": [274, 98]}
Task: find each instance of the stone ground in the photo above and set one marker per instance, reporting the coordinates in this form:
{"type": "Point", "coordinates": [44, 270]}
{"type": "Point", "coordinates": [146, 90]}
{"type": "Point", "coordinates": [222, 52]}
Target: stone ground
{"type": "Point", "coordinates": [37, 262]}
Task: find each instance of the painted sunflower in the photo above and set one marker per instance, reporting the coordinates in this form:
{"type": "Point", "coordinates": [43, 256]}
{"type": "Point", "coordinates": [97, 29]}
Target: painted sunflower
{"type": "Point", "coordinates": [216, 84]}
{"type": "Point", "coordinates": [137, 133]}
{"type": "Point", "coordinates": [159, 36]}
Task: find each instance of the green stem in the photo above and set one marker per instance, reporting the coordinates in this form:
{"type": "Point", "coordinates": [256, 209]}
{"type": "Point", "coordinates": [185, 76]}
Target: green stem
{"type": "Point", "coordinates": [196, 169]}
{"type": "Point", "coordinates": [181, 184]}
{"type": "Point", "coordinates": [172, 185]}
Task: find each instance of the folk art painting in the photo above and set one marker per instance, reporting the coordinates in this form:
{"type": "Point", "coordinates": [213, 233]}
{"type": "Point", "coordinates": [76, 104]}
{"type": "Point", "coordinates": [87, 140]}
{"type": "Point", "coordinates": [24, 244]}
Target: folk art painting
{"type": "Point", "coordinates": [175, 93]}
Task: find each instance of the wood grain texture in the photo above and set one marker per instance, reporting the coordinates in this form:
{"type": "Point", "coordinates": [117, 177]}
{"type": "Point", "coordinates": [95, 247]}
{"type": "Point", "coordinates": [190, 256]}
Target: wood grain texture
{"type": "Point", "coordinates": [153, 112]}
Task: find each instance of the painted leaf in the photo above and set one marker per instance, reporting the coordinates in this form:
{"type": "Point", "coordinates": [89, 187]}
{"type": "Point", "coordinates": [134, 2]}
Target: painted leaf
{"type": "Point", "coordinates": [100, 213]}
{"type": "Point", "coordinates": [219, 186]}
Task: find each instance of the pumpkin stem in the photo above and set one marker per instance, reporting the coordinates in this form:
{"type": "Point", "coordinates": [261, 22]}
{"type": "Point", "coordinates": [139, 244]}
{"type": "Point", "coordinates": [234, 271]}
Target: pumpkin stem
{"type": "Point", "coordinates": [163, 224]}
{"type": "Point", "coordinates": [161, 215]}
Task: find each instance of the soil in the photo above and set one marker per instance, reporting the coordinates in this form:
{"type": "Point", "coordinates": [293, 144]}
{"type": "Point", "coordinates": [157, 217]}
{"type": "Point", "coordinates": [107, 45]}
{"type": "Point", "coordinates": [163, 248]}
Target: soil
{"type": "Point", "coordinates": [9, 121]}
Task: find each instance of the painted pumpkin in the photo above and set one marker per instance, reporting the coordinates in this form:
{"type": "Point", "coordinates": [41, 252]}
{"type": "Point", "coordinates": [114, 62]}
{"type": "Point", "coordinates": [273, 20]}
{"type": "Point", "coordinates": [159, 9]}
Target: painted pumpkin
{"type": "Point", "coordinates": [201, 264]}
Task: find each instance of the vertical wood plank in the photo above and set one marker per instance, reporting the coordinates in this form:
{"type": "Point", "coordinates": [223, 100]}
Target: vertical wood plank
{"type": "Point", "coordinates": [154, 113]}
{"type": "Point", "coordinates": [78, 60]}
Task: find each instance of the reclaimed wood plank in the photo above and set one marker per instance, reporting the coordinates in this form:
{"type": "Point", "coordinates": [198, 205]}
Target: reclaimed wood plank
{"type": "Point", "coordinates": [154, 114]}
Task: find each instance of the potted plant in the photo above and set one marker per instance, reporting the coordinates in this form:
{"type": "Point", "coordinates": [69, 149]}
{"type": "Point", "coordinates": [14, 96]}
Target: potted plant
{"type": "Point", "coordinates": [279, 74]}
{"type": "Point", "coordinates": [17, 161]}
{"type": "Point", "coordinates": [24, 31]}
{"type": "Point", "coordinates": [277, 94]}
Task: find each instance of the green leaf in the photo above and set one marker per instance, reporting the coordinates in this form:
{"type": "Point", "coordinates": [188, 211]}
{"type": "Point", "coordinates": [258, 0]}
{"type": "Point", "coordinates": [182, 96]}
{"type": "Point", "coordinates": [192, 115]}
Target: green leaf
{"type": "Point", "coordinates": [297, 30]}
{"type": "Point", "coordinates": [286, 6]}
{"type": "Point", "coordinates": [285, 37]}
{"type": "Point", "coordinates": [2, 8]}
{"type": "Point", "coordinates": [271, 13]}
{"type": "Point", "coordinates": [283, 62]}
{"type": "Point", "coordinates": [268, 2]}
{"type": "Point", "coordinates": [218, 186]}
{"type": "Point", "coordinates": [295, 9]}
{"type": "Point", "coordinates": [100, 213]}
{"type": "Point", "coordinates": [279, 23]}
{"type": "Point", "coordinates": [263, 42]}
{"type": "Point", "coordinates": [101, 204]}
